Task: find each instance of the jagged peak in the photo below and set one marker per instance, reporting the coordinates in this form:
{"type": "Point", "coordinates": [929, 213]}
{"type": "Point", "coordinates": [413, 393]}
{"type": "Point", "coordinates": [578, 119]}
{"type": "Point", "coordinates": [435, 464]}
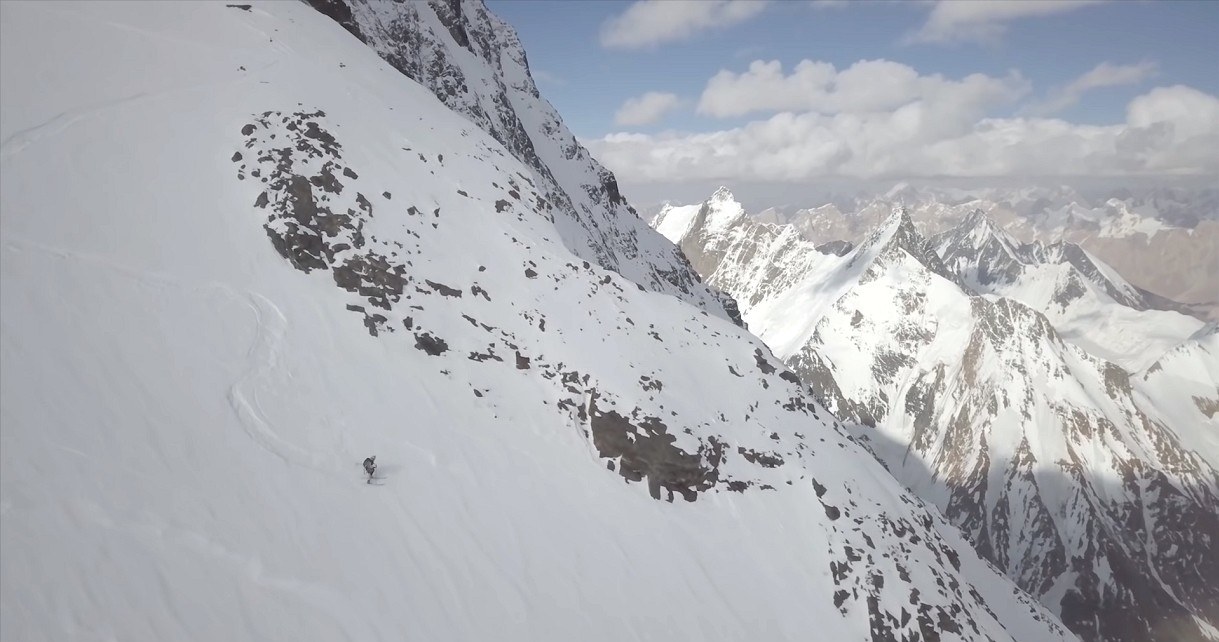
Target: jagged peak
{"type": "Point", "coordinates": [722, 194]}
{"type": "Point", "coordinates": [898, 234]}
{"type": "Point", "coordinates": [719, 212]}
{"type": "Point", "coordinates": [898, 220]}
{"type": "Point", "coordinates": [973, 233]}
{"type": "Point", "coordinates": [978, 219]}
{"type": "Point", "coordinates": [1098, 272]}
{"type": "Point", "coordinates": [898, 229]}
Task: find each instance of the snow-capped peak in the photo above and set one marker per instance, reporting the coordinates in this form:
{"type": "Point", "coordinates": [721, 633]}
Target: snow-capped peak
{"type": "Point", "coordinates": [979, 229]}
{"type": "Point", "coordinates": [978, 241]}
{"type": "Point", "coordinates": [898, 234]}
{"type": "Point", "coordinates": [721, 210]}
{"type": "Point", "coordinates": [722, 194]}
{"type": "Point", "coordinates": [898, 227]}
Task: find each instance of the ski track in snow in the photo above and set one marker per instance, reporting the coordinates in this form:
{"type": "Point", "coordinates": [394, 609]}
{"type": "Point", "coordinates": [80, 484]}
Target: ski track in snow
{"type": "Point", "coordinates": [270, 325]}
{"type": "Point", "coordinates": [19, 140]}
{"type": "Point", "coordinates": [16, 142]}
{"type": "Point", "coordinates": [262, 356]}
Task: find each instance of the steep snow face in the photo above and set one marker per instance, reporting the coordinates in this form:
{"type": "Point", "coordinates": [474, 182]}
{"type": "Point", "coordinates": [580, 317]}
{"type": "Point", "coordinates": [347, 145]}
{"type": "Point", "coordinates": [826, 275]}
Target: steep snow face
{"type": "Point", "coordinates": [230, 277]}
{"type": "Point", "coordinates": [1087, 301]}
{"type": "Point", "coordinates": [1063, 469]}
{"type": "Point", "coordinates": [474, 63]}
{"type": "Point", "coordinates": [1184, 384]}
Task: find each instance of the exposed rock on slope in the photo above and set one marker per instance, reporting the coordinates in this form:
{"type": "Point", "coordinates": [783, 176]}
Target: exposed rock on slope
{"type": "Point", "coordinates": [331, 263]}
{"type": "Point", "coordinates": [474, 63]}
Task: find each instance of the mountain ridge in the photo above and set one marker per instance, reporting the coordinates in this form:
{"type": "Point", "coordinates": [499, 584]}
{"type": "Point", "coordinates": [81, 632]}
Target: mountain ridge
{"type": "Point", "coordinates": [1165, 240]}
{"type": "Point", "coordinates": [981, 406]}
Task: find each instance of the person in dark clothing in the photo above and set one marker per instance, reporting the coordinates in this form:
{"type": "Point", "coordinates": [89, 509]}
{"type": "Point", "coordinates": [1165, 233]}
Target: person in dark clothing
{"type": "Point", "coordinates": [370, 467]}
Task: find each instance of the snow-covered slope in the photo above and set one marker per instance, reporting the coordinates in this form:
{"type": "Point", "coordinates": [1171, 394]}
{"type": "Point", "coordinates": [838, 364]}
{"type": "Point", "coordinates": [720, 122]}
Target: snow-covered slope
{"type": "Point", "coordinates": [1184, 384]}
{"type": "Point", "coordinates": [1061, 467]}
{"type": "Point", "coordinates": [241, 252]}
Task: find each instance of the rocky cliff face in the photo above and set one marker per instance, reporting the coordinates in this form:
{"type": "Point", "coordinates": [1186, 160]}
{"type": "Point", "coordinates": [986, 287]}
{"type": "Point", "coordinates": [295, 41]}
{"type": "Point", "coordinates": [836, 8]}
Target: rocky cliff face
{"type": "Point", "coordinates": [1060, 467]}
{"type": "Point", "coordinates": [473, 62]}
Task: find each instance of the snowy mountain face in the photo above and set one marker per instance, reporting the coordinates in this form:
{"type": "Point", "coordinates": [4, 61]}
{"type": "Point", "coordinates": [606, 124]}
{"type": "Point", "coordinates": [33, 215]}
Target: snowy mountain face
{"type": "Point", "coordinates": [1183, 379]}
{"type": "Point", "coordinates": [1091, 485]}
{"type": "Point", "coordinates": [474, 63]}
{"type": "Point", "coordinates": [230, 277]}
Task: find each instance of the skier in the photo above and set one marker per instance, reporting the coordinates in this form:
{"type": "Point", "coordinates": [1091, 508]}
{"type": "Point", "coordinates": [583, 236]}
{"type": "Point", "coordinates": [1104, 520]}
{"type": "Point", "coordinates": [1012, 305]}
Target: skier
{"type": "Point", "coordinates": [370, 467]}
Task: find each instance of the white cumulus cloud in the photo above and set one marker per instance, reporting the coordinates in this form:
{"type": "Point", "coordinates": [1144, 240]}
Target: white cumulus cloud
{"type": "Point", "coordinates": [1103, 75]}
{"type": "Point", "coordinates": [984, 21]}
{"type": "Point", "coordinates": [1169, 130]}
{"type": "Point", "coordinates": [866, 86]}
{"type": "Point", "coordinates": [647, 23]}
{"type": "Point", "coordinates": [645, 109]}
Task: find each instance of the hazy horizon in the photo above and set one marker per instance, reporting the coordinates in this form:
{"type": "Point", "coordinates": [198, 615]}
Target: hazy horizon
{"type": "Point", "coordinates": [757, 195]}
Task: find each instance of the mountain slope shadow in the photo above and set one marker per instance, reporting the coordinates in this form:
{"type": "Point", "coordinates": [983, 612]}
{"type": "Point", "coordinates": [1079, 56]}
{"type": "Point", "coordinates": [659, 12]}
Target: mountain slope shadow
{"type": "Point", "coordinates": [1147, 604]}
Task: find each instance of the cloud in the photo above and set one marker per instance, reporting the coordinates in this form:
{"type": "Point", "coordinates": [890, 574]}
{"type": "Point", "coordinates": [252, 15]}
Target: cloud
{"type": "Point", "coordinates": [975, 21]}
{"type": "Point", "coordinates": [647, 23]}
{"type": "Point", "coordinates": [1169, 130]}
{"type": "Point", "coordinates": [1103, 75]}
{"type": "Point", "coordinates": [645, 109]}
{"type": "Point", "coordinates": [866, 86]}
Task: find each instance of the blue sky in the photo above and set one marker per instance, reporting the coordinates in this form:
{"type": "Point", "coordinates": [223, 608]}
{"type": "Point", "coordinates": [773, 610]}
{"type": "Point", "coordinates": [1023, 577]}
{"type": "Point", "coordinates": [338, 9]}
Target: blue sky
{"type": "Point", "coordinates": [587, 82]}
{"type": "Point", "coordinates": [1042, 65]}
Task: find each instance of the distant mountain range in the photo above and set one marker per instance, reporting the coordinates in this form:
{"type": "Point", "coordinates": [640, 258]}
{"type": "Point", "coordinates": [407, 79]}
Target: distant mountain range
{"type": "Point", "coordinates": [1165, 240]}
{"type": "Point", "coordinates": [1065, 419]}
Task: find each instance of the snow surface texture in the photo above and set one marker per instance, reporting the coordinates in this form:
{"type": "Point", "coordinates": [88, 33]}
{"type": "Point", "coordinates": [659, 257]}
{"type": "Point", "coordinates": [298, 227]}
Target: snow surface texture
{"type": "Point", "coordinates": [232, 275]}
{"type": "Point", "coordinates": [1070, 473]}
